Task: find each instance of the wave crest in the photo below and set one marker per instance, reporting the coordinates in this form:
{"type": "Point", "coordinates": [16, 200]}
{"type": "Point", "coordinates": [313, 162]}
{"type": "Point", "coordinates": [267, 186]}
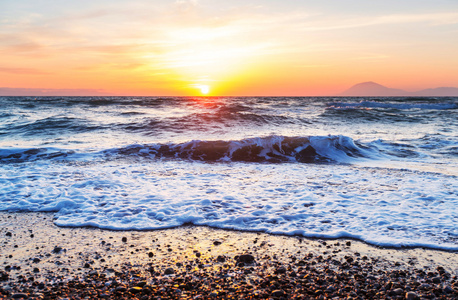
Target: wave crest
{"type": "Point", "coordinates": [314, 149]}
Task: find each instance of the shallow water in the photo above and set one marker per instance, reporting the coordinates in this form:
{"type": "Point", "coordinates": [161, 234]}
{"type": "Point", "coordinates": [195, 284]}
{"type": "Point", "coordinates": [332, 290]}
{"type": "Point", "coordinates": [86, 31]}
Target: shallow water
{"type": "Point", "coordinates": [379, 170]}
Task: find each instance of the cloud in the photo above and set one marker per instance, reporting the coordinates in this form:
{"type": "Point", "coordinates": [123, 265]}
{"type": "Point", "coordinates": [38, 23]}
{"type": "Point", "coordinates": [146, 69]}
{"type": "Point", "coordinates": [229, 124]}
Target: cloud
{"type": "Point", "coordinates": [22, 71]}
{"type": "Point", "coordinates": [5, 91]}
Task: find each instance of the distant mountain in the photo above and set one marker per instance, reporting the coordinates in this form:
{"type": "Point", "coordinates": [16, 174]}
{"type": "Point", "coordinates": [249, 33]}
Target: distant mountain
{"type": "Point", "coordinates": [438, 92]}
{"type": "Point", "coordinates": [372, 89]}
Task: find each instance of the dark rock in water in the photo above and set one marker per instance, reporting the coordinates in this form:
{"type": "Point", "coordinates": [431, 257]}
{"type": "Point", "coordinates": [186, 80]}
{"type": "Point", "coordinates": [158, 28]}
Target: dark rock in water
{"type": "Point", "coordinates": [36, 260]}
{"type": "Point", "coordinates": [436, 279]}
{"type": "Point", "coordinates": [246, 258]}
{"type": "Point", "coordinates": [150, 254]}
{"type": "Point", "coordinates": [124, 239]}
{"type": "Point", "coordinates": [169, 271]}
{"type": "Point", "coordinates": [306, 155]}
{"type": "Point", "coordinates": [3, 276]}
{"type": "Point", "coordinates": [221, 258]}
{"type": "Point", "coordinates": [280, 270]}
{"type": "Point", "coordinates": [57, 249]}
{"type": "Point", "coordinates": [217, 243]}
{"type": "Point", "coordinates": [9, 234]}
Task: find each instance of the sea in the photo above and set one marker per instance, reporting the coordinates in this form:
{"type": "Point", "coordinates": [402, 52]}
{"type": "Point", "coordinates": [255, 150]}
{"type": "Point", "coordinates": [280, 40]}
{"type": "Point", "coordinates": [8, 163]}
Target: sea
{"type": "Point", "coordinates": [380, 170]}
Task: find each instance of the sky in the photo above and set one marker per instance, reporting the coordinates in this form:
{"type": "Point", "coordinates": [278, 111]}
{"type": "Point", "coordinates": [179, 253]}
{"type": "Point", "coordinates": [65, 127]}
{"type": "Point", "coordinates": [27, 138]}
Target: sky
{"type": "Point", "coordinates": [230, 48]}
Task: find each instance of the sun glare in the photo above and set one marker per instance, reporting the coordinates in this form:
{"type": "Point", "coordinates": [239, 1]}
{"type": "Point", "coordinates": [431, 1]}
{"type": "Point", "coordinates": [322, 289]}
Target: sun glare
{"type": "Point", "coordinates": [204, 89]}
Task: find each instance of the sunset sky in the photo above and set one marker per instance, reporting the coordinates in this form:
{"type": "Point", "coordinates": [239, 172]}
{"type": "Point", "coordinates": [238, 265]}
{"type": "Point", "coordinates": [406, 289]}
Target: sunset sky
{"type": "Point", "coordinates": [189, 47]}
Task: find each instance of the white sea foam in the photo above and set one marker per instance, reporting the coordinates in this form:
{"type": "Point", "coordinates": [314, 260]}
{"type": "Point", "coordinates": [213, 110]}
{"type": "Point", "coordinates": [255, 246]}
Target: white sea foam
{"type": "Point", "coordinates": [385, 207]}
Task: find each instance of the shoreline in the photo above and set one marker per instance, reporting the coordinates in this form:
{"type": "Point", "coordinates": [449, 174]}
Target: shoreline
{"type": "Point", "coordinates": [42, 261]}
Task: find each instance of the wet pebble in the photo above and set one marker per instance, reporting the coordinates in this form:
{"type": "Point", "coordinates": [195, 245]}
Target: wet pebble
{"type": "Point", "coordinates": [19, 296]}
{"type": "Point", "coordinates": [169, 271]}
{"type": "Point", "coordinates": [411, 296]}
{"type": "Point", "coordinates": [246, 258]}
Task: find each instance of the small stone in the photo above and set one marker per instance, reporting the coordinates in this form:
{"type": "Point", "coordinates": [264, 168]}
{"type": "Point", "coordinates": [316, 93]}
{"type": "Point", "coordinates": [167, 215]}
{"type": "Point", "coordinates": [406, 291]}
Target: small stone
{"type": "Point", "coordinates": [36, 270]}
{"type": "Point", "coordinates": [398, 291]}
{"type": "Point", "coordinates": [411, 296]}
{"type": "Point", "coordinates": [124, 239]}
{"type": "Point", "coordinates": [135, 290]}
{"type": "Point", "coordinates": [437, 280]}
{"type": "Point", "coordinates": [36, 260]}
{"type": "Point", "coordinates": [348, 243]}
{"type": "Point", "coordinates": [150, 254]}
{"type": "Point", "coordinates": [448, 289]}
{"type": "Point", "coordinates": [19, 296]}
{"type": "Point", "coordinates": [217, 243]}
{"type": "Point", "coordinates": [121, 289]}
{"type": "Point", "coordinates": [278, 293]}
{"type": "Point", "coordinates": [330, 289]}
{"type": "Point", "coordinates": [425, 286]}
{"type": "Point", "coordinates": [57, 249]}
{"type": "Point", "coordinates": [9, 234]}
{"type": "Point", "coordinates": [246, 258]}
{"type": "Point", "coordinates": [3, 276]}
{"type": "Point", "coordinates": [221, 258]}
{"type": "Point", "coordinates": [280, 270]}
{"type": "Point", "coordinates": [169, 271]}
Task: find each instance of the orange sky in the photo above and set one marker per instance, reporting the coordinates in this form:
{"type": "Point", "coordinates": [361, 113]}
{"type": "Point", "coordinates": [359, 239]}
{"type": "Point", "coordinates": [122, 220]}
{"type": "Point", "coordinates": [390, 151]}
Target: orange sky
{"type": "Point", "coordinates": [239, 48]}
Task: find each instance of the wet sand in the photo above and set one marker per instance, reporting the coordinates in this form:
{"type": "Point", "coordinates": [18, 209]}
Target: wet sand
{"type": "Point", "coordinates": [42, 261]}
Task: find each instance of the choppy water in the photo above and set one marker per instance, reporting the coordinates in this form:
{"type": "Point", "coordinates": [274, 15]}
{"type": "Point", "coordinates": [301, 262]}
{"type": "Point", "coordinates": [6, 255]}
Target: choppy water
{"type": "Point", "coordinates": [383, 170]}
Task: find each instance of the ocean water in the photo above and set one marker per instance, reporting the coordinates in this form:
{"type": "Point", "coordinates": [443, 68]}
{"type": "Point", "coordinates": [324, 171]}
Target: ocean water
{"type": "Point", "coordinates": [381, 170]}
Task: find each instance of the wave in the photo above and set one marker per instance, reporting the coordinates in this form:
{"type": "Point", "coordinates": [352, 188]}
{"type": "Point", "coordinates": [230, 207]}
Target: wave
{"type": "Point", "coordinates": [18, 155]}
{"type": "Point", "coordinates": [275, 149]}
{"type": "Point", "coordinates": [271, 149]}
{"type": "Point", "coordinates": [51, 126]}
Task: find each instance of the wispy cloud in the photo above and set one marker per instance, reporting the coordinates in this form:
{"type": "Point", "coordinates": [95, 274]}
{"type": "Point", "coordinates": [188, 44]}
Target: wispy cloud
{"type": "Point", "coordinates": [23, 71]}
{"type": "Point", "coordinates": [52, 92]}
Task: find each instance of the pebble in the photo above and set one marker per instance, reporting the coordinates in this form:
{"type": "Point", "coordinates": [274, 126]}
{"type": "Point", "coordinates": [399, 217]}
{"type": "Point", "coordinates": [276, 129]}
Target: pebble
{"type": "Point", "coordinates": [169, 271]}
{"type": "Point", "coordinates": [398, 291]}
{"type": "Point", "coordinates": [57, 249]}
{"type": "Point", "coordinates": [278, 293]}
{"type": "Point", "coordinates": [135, 290]}
{"type": "Point", "coordinates": [246, 258]}
{"type": "Point", "coordinates": [411, 296]}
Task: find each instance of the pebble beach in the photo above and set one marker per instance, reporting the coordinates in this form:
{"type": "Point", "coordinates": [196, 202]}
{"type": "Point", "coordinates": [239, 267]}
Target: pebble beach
{"type": "Point", "coordinates": [42, 261]}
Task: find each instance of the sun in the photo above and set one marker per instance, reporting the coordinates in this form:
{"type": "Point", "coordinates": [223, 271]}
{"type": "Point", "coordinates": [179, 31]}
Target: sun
{"type": "Point", "coordinates": [204, 89]}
